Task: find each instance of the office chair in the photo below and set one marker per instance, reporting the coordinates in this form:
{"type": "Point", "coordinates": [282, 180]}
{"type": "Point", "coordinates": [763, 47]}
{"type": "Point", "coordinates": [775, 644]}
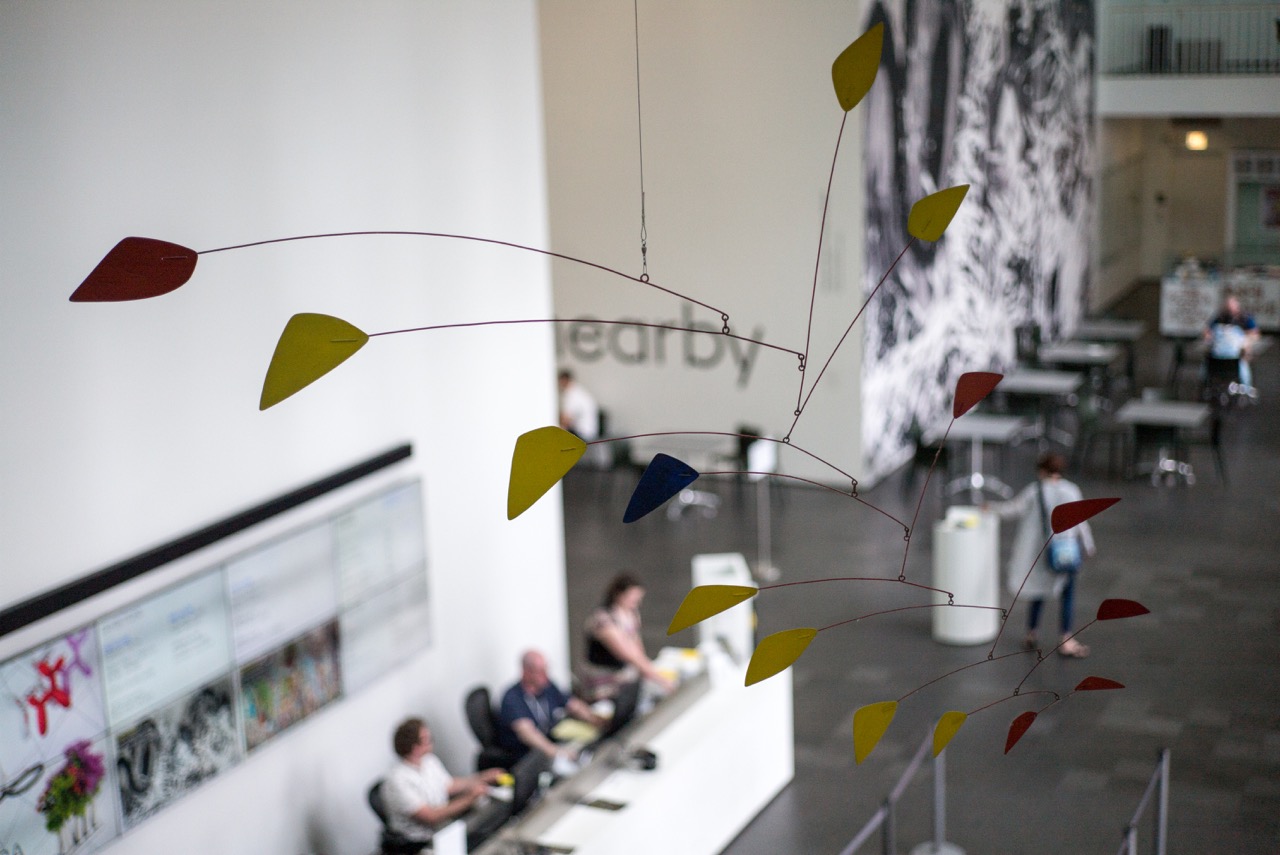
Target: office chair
{"type": "Point", "coordinates": [484, 724]}
{"type": "Point", "coordinates": [392, 842]}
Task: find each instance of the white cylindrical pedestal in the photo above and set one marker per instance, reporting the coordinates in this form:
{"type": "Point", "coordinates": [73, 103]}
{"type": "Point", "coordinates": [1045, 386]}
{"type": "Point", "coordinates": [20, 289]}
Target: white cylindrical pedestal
{"type": "Point", "coordinates": [934, 849]}
{"type": "Point", "coordinates": [966, 551]}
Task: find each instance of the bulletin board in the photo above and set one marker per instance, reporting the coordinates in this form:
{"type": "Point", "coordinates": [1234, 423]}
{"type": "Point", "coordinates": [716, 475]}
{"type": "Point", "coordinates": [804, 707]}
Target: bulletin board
{"type": "Point", "coordinates": [1188, 303]}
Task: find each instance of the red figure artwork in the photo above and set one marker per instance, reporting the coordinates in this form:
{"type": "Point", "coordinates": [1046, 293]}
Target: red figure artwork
{"type": "Point", "coordinates": [59, 694]}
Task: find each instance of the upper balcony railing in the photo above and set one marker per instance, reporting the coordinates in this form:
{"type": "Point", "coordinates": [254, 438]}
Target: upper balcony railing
{"type": "Point", "coordinates": [1191, 38]}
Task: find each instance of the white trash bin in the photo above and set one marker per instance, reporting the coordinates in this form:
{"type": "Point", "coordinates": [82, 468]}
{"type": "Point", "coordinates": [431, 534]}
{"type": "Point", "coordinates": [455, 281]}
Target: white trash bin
{"type": "Point", "coordinates": [966, 562]}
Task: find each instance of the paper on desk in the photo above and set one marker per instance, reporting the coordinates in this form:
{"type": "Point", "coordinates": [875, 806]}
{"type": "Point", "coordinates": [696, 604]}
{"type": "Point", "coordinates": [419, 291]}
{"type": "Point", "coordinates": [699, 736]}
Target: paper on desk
{"type": "Point", "coordinates": [573, 730]}
{"type": "Point", "coordinates": [563, 767]}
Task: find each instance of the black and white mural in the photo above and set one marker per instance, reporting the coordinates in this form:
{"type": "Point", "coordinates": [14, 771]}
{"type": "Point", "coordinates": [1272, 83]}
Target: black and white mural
{"type": "Point", "coordinates": [997, 94]}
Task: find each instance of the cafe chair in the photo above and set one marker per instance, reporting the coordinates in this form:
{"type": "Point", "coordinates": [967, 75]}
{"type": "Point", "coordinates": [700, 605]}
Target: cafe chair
{"type": "Point", "coordinates": [1211, 438]}
{"type": "Point", "coordinates": [1222, 388]}
{"type": "Point", "coordinates": [1026, 344]}
{"type": "Point", "coordinates": [1095, 425]}
{"type": "Point", "coordinates": [392, 842]}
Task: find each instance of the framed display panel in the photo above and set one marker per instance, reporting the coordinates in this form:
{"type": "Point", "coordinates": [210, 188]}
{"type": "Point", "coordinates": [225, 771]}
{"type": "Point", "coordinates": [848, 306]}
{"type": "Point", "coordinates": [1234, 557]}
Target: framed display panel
{"type": "Point", "coordinates": [55, 769]}
{"type": "Point", "coordinates": [124, 701]}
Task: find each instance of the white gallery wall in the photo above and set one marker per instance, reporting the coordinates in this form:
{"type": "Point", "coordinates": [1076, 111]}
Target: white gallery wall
{"type": "Point", "coordinates": [125, 425]}
{"type": "Point", "coordinates": [739, 124]}
{"type": "Point", "coordinates": [735, 126]}
{"type": "Point", "coordinates": [1118, 251]}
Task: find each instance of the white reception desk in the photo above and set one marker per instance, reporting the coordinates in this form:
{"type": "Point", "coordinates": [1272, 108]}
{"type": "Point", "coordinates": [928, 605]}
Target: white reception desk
{"type": "Point", "coordinates": [724, 751]}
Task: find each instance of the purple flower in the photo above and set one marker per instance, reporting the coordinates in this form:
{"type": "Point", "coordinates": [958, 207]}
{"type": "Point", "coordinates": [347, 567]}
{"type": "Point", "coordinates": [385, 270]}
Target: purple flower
{"type": "Point", "coordinates": [85, 765]}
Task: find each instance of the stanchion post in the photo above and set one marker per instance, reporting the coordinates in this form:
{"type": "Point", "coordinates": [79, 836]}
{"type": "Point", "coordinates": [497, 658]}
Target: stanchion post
{"type": "Point", "coordinates": [764, 532]}
{"type": "Point", "coordinates": [939, 801]}
{"type": "Point", "coordinates": [889, 832]}
{"type": "Point", "coordinates": [1162, 806]}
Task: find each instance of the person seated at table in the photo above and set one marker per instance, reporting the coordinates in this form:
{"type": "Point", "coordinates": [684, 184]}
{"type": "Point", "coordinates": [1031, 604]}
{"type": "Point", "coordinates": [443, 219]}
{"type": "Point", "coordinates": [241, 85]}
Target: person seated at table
{"type": "Point", "coordinates": [419, 793]}
{"type": "Point", "coordinates": [532, 708]}
{"type": "Point", "coordinates": [579, 412]}
{"type": "Point", "coordinates": [1231, 334]}
{"type": "Point", "coordinates": [615, 653]}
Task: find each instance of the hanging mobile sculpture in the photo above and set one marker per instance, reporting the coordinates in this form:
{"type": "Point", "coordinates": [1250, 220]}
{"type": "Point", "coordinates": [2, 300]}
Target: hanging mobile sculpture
{"type": "Point", "coordinates": [311, 345]}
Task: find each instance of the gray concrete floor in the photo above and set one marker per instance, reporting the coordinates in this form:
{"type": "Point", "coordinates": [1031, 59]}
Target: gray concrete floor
{"type": "Point", "coordinates": [1200, 670]}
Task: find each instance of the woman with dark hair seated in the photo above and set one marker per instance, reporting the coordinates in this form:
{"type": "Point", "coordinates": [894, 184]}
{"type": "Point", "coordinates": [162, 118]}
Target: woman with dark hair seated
{"type": "Point", "coordinates": [615, 653]}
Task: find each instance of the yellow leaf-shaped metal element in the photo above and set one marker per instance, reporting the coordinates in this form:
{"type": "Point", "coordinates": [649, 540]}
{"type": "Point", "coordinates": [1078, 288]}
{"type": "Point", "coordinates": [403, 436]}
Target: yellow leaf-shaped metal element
{"type": "Point", "coordinates": [541, 458]}
{"type": "Point", "coordinates": [855, 68]}
{"type": "Point", "coordinates": [776, 652]}
{"type": "Point", "coordinates": [707, 600]}
{"type": "Point", "coordinates": [946, 728]}
{"type": "Point", "coordinates": [310, 347]}
{"type": "Point", "coordinates": [869, 724]}
{"type": "Point", "coordinates": [930, 216]}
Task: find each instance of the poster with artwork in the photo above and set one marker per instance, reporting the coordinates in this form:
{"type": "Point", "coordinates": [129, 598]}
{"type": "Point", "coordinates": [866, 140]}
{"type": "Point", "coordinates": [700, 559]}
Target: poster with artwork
{"type": "Point", "coordinates": [173, 750]}
{"type": "Point", "coordinates": [999, 96]}
{"type": "Point", "coordinates": [54, 783]}
{"type": "Point", "coordinates": [289, 684]}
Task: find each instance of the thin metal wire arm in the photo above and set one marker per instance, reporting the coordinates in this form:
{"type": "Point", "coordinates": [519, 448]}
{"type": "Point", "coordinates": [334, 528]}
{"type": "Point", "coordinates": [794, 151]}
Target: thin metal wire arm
{"type": "Point", "coordinates": [902, 573]}
{"type": "Point", "coordinates": [848, 330]}
{"type": "Point", "coordinates": [809, 454]}
{"type": "Point", "coordinates": [584, 321]}
{"type": "Point", "coordinates": [1060, 643]}
{"type": "Point", "coordinates": [903, 609]}
{"type": "Point", "coordinates": [822, 228]}
{"type": "Point", "coordinates": [1017, 595]}
{"type": "Point", "coordinates": [637, 279]}
{"type": "Point", "coordinates": [1018, 695]}
{"type": "Point", "coordinates": [958, 670]}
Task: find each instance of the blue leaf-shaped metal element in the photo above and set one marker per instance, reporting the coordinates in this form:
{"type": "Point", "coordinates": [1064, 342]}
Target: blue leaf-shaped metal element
{"type": "Point", "coordinates": [664, 477]}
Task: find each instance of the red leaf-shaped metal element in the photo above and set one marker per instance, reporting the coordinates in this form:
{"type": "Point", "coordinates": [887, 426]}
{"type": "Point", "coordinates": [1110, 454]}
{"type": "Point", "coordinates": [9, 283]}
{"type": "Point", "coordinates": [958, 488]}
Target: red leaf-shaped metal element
{"type": "Point", "coordinates": [1071, 514]}
{"type": "Point", "coordinates": [971, 388]}
{"type": "Point", "coordinates": [1095, 684]}
{"type": "Point", "coordinates": [1116, 609]}
{"type": "Point", "coordinates": [1019, 727]}
{"type": "Point", "coordinates": [137, 268]}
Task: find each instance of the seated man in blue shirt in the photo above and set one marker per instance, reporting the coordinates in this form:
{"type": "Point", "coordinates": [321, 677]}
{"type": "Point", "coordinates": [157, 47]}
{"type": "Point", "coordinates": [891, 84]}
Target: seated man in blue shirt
{"type": "Point", "coordinates": [533, 706]}
{"type": "Point", "coordinates": [1231, 334]}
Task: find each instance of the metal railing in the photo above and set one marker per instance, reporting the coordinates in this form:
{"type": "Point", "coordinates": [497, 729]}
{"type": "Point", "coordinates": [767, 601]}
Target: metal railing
{"type": "Point", "coordinates": [883, 820]}
{"type": "Point", "coordinates": [1227, 38]}
{"type": "Point", "coordinates": [1158, 785]}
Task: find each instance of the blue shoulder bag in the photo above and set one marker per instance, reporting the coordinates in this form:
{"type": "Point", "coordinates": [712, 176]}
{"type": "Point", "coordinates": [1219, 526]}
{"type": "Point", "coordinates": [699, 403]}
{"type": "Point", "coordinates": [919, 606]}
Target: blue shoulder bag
{"type": "Point", "coordinates": [1064, 549]}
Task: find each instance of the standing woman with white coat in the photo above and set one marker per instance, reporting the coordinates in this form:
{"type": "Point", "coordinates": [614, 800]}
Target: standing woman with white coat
{"type": "Point", "coordinates": [1033, 513]}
